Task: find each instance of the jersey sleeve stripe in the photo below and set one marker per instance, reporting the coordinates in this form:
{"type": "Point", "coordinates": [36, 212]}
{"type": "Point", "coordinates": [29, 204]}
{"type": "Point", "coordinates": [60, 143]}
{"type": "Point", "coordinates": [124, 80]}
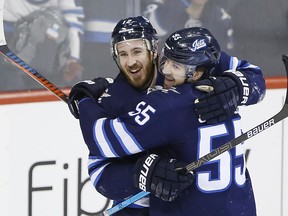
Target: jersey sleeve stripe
{"type": "Point", "coordinates": [125, 138]}
{"type": "Point", "coordinates": [102, 141]}
{"type": "Point", "coordinates": [95, 175]}
{"type": "Point", "coordinates": [249, 65]}
{"type": "Point", "coordinates": [234, 62]}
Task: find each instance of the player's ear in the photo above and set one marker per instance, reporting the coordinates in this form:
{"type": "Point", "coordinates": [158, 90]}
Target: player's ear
{"type": "Point", "coordinates": [197, 75]}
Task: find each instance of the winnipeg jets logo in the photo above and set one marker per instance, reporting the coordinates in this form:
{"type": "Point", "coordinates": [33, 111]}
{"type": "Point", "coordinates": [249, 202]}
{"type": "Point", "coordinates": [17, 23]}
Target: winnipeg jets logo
{"type": "Point", "coordinates": [198, 44]}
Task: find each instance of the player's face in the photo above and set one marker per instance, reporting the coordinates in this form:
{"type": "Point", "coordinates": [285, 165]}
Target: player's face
{"type": "Point", "coordinates": [136, 62]}
{"type": "Point", "coordinates": [174, 73]}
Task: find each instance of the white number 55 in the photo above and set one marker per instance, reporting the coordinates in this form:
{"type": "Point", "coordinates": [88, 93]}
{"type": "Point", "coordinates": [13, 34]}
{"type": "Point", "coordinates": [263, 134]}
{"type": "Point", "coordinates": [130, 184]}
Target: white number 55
{"type": "Point", "coordinates": [226, 171]}
{"type": "Point", "coordinates": [141, 112]}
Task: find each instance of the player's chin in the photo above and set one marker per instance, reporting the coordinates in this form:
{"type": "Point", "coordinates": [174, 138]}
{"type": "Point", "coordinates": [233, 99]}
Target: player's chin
{"type": "Point", "coordinates": [138, 82]}
{"type": "Point", "coordinates": [169, 83]}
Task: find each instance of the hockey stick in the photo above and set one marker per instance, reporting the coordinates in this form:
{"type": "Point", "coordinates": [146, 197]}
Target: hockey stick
{"type": "Point", "coordinates": [5, 51]}
{"type": "Point", "coordinates": [223, 148]}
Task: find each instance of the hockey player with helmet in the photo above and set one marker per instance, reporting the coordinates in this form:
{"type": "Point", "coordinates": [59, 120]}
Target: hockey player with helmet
{"type": "Point", "coordinates": [223, 96]}
{"type": "Point", "coordinates": [104, 162]}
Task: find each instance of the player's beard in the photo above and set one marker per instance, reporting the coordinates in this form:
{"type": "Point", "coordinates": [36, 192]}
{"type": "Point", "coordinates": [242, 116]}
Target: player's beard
{"type": "Point", "coordinates": [141, 79]}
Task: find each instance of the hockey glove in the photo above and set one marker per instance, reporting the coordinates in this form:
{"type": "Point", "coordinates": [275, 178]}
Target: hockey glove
{"type": "Point", "coordinates": [87, 89]}
{"type": "Point", "coordinates": [158, 176]}
{"type": "Point", "coordinates": [220, 103]}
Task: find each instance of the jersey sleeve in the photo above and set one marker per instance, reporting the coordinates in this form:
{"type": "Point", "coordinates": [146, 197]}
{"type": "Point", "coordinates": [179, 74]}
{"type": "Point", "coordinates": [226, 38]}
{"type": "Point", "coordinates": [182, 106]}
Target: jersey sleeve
{"type": "Point", "coordinates": [101, 169]}
{"type": "Point", "coordinates": [250, 75]}
{"type": "Point", "coordinates": [115, 144]}
{"type": "Point", "coordinates": [113, 188]}
{"type": "Point", "coordinates": [148, 125]}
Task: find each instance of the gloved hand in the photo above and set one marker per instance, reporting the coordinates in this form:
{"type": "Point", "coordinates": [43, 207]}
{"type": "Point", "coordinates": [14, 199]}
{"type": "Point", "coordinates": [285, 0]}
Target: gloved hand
{"type": "Point", "coordinates": [222, 100]}
{"type": "Point", "coordinates": [158, 176]}
{"type": "Point", "coordinates": [89, 88]}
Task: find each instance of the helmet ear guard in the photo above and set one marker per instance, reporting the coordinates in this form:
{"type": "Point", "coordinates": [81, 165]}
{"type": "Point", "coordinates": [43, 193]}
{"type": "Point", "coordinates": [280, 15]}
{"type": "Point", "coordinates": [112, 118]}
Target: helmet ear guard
{"type": "Point", "coordinates": [190, 69]}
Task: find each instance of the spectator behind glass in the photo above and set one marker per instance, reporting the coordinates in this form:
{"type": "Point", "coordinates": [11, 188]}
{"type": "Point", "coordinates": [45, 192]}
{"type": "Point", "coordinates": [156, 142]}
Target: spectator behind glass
{"type": "Point", "coordinates": [46, 35]}
{"type": "Point", "coordinates": [98, 25]}
{"type": "Point", "coordinates": [262, 37]}
{"type": "Point", "coordinates": [170, 15]}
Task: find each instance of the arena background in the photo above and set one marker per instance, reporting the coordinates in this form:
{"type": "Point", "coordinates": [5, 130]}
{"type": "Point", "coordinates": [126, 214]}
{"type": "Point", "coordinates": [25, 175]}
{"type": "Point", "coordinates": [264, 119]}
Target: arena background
{"type": "Point", "coordinates": [42, 154]}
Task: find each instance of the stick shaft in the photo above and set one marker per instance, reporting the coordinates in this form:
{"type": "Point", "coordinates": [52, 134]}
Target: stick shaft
{"type": "Point", "coordinates": [125, 203]}
{"type": "Point", "coordinates": [5, 51]}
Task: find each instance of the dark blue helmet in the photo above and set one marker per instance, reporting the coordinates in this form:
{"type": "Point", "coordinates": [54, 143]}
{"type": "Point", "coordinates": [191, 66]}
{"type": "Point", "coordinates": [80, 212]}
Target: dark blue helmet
{"type": "Point", "coordinates": [134, 28]}
{"type": "Point", "coordinates": [194, 47]}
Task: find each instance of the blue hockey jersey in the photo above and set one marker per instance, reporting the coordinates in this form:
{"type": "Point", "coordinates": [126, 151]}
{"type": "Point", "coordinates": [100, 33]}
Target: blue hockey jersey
{"type": "Point", "coordinates": [165, 119]}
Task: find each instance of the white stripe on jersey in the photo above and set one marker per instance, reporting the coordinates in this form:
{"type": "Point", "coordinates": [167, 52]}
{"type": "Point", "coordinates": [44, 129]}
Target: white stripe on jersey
{"type": "Point", "coordinates": [143, 202]}
{"type": "Point", "coordinates": [95, 175]}
{"type": "Point", "coordinates": [100, 26]}
{"type": "Point", "coordinates": [251, 66]}
{"type": "Point", "coordinates": [127, 141]}
{"type": "Point", "coordinates": [101, 140]}
{"type": "Point", "coordinates": [234, 63]}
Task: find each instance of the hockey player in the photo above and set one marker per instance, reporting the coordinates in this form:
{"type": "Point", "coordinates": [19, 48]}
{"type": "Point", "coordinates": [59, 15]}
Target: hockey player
{"type": "Point", "coordinates": [115, 100]}
{"type": "Point", "coordinates": [222, 186]}
{"type": "Point", "coordinates": [56, 28]}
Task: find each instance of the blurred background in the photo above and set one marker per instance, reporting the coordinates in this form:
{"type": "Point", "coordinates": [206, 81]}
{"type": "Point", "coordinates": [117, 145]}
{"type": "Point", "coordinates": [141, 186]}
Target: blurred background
{"type": "Point", "coordinates": [43, 158]}
{"type": "Point", "coordinates": [254, 30]}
